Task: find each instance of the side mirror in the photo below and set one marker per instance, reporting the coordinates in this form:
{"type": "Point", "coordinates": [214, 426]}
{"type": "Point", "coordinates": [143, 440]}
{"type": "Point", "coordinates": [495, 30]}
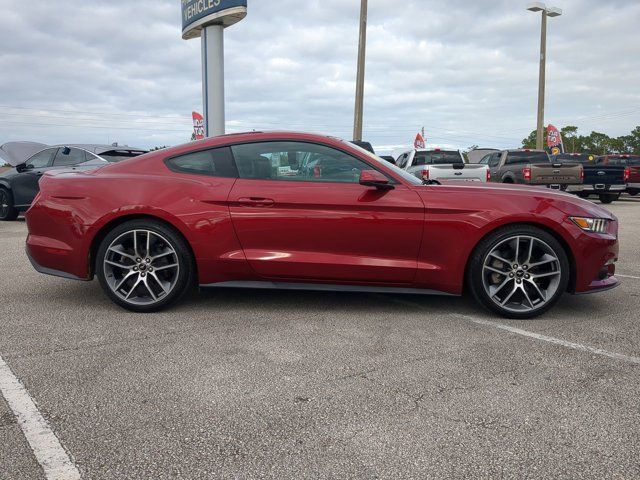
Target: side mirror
{"type": "Point", "coordinates": [22, 167]}
{"type": "Point", "coordinates": [373, 178]}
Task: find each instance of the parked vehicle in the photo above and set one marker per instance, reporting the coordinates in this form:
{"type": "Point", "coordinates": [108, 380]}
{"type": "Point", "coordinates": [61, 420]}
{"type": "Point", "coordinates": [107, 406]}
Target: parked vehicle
{"type": "Point", "coordinates": [242, 211]}
{"type": "Point", "coordinates": [437, 165]}
{"type": "Point", "coordinates": [19, 185]}
{"type": "Point", "coordinates": [605, 181]}
{"type": "Point", "coordinates": [633, 164]}
{"type": "Point", "coordinates": [532, 167]}
{"type": "Point", "coordinates": [477, 154]}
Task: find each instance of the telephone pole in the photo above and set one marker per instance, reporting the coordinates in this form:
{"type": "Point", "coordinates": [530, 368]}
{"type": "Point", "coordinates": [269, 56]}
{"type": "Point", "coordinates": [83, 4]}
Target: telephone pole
{"type": "Point", "coordinates": [362, 49]}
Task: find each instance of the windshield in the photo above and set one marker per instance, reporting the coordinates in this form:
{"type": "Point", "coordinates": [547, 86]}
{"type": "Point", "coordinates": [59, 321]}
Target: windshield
{"type": "Point", "coordinates": [115, 156]}
{"type": "Point", "coordinates": [437, 157]}
{"type": "Point", "coordinates": [398, 171]}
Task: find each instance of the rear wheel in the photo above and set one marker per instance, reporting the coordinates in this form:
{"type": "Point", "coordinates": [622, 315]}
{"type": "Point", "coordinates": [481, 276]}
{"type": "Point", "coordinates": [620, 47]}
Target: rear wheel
{"type": "Point", "coordinates": [633, 193]}
{"type": "Point", "coordinates": [583, 195]}
{"type": "Point", "coordinates": [609, 197]}
{"type": "Point", "coordinates": [8, 211]}
{"type": "Point", "coordinates": [144, 266]}
{"type": "Point", "coordinates": [518, 272]}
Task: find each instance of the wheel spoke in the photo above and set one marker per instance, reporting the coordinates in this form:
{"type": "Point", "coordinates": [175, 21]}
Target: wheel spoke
{"type": "Point", "coordinates": [122, 253]}
{"type": "Point", "coordinates": [148, 244]}
{"type": "Point", "coordinates": [162, 255]}
{"type": "Point", "coordinates": [494, 290]}
{"type": "Point", "coordinates": [517, 249]}
{"type": "Point", "coordinates": [149, 289]}
{"type": "Point", "coordinates": [543, 262]}
{"type": "Point", "coordinates": [526, 295]}
{"type": "Point", "coordinates": [119, 265]}
{"type": "Point", "coordinates": [124, 279]}
{"type": "Point", "coordinates": [135, 243]}
{"type": "Point", "coordinates": [165, 267]}
{"type": "Point", "coordinates": [506, 300]}
{"type": "Point", "coordinates": [135, 285]}
{"type": "Point", "coordinates": [535, 285]}
{"type": "Point", "coordinates": [544, 275]}
{"type": "Point", "coordinates": [531, 241]}
{"type": "Point", "coordinates": [155, 277]}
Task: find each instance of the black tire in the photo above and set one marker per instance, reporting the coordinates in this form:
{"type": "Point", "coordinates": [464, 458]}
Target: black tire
{"type": "Point", "coordinates": [185, 278]}
{"type": "Point", "coordinates": [609, 197]}
{"type": "Point", "coordinates": [633, 193]}
{"type": "Point", "coordinates": [583, 195]}
{"type": "Point", "coordinates": [475, 271]}
{"type": "Point", "coordinates": [8, 211]}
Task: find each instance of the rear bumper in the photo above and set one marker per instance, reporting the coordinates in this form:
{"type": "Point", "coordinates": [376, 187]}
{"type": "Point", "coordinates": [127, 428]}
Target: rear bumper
{"type": "Point", "coordinates": [633, 186]}
{"type": "Point", "coordinates": [601, 188]}
{"type": "Point", "coordinates": [50, 271]}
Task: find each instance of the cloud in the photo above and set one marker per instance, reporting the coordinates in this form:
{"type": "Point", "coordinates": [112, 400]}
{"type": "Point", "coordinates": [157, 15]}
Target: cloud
{"type": "Point", "coordinates": [77, 71]}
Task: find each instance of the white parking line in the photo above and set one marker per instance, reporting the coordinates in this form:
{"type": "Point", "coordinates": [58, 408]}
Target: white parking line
{"type": "Point", "coordinates": [627, 276]}
{"type": "Point", "coordinates": [45, 445]}
{"type": "Point", "coordinates": [557, 341]}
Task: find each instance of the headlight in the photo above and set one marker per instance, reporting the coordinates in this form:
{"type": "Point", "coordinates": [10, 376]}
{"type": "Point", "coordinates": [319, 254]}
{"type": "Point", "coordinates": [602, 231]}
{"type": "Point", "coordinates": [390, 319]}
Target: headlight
{"type": "Point", "coordinates": [595, 225]}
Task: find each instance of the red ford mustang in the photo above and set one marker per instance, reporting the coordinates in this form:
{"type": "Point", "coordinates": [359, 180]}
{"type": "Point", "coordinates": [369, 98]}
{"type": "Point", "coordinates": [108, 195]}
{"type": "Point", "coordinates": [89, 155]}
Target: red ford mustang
{"type": "Point", "coordinates": [299, 211]}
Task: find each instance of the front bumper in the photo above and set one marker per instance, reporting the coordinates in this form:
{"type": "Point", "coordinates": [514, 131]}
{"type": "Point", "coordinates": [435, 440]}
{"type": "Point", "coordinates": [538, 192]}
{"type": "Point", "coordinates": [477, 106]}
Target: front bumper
{"type": "Point", "coordinates": [595, 261]}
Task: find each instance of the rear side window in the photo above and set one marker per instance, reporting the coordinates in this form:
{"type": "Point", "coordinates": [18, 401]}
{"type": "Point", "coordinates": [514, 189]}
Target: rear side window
{"type": "Point", "coordinates": [494, 160]}
{"type": "Point", "coordinates": [69, 156]}
{"type": "Point", "coordinates": [527, 157]}
{"type": "Point", "coordinates": [217, 162]}
{"type": "Point", "coordinates": [437, 158]}
{"type": "Point", "coordinates": [582, 158]}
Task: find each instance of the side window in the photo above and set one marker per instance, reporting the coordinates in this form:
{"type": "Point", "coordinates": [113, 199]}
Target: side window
{"type": "Point", "coordinates": [216, 162]}
{"type": "Point", "coordinates": [485, 160]}
{"type": "Point", "coordinates": [69, 156]}
{"type": "Point", "coordinates": [494, 160]}
{"type": "Point", "coordinates": [297, 161]}
{"type": "Point", "coordinates": [42, 159]}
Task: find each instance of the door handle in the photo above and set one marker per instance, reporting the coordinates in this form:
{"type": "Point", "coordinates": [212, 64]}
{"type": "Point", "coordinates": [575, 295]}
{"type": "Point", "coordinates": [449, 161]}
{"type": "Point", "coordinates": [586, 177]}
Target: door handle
{"type": "Point", "coordinates": [256, 202]}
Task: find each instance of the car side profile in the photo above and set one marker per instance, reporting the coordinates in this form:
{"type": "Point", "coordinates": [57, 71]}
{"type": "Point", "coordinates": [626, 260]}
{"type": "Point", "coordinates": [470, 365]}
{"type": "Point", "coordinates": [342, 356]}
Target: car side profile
{"type": "Point", "coordinates": [19, 185]}
{"type": "Point", "coordinates": [301, 211]}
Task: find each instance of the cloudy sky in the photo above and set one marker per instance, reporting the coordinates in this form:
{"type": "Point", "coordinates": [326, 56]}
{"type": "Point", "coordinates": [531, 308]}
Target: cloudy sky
{"type": "Point", "coordinates": [467, 70]}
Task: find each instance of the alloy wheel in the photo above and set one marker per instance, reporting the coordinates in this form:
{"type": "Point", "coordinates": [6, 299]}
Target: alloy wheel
{"type": "Point", "coordinates": [141, 267]}
{"type": "Point", "coordinates": [4, 204]}
{"type": "Point", "coordinates": [521, 274]}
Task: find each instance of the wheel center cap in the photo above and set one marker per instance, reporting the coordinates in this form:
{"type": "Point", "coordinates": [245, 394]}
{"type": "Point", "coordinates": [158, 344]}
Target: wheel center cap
{"type": "Point", "coordinates": [143, 267]}
{"type": "Point", "coordinates": [520, 273]}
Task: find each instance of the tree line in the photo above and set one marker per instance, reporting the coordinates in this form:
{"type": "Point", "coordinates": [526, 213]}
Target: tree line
{"type": "Point", "coordinates": [596, 142]}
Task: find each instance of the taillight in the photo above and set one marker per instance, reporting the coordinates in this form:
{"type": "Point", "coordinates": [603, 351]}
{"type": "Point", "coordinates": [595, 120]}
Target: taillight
{"type": "Point", "coordinates": [488, 175]}
{"type": "Point", "coordinates": [526, 173]}
{"type": "Point", "coordinates": [317, 171]}
{"type": "Point", "coordinates": [582, 175]}
{"type": "Point", "coordinates": [425, 174]}
{"type": "Point", "coordinates": [627, 174]}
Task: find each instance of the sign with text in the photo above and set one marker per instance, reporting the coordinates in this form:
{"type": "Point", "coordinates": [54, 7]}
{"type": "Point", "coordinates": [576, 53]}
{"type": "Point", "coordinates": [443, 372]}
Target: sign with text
{"type": "Point", "coordinates": [198, 126]}
{"type": "Point", "coordinates": [554, 140]}
{"type": "Point", "coordinates": [197, 14]}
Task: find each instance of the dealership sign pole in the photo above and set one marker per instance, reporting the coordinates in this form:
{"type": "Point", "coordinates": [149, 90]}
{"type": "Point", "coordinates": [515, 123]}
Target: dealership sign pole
{"type": "Point", "coordinates": [208, 19]}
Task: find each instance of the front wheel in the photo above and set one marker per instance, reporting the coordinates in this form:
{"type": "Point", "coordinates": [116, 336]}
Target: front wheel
{"type": "Point", "coordinates": [8, 211]}
{"type": "Point", "coordinates": [144, 266]}
{"type": "Point", "coordinates": [609, 197]}
{"type": "Point", "coordinates": [633, 193]}
{"type": "Point", "coordinates": [518, 272]}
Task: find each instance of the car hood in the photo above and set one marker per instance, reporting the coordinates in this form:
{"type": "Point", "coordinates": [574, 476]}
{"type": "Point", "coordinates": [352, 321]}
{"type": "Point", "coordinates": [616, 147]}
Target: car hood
{"type": "Point", "coordinates": [8, 173]}
{"type": "Point", "coordinates": [566, 202]}
{"type": "Point", "coordinates": [15, 153]}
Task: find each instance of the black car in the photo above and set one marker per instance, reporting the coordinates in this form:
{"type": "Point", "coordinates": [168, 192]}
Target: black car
{"type": "Point", "coordinates": [19, 186]}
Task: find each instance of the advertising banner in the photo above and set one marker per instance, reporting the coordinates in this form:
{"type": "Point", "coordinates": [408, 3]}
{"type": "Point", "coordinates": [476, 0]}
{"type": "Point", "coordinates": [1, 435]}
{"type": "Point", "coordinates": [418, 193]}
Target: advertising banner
{"type": "Point", "coordinates": [198, 126]}
{"type": "Point", "coordinates": [554, 140]}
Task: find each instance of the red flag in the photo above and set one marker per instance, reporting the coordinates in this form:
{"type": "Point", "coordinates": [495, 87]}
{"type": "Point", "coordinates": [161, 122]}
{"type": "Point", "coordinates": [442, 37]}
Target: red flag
{"type": "Point", "coordinates": [419, 142]}
{"type": "Point", "coordinates": [554, 140]}
{"type": "Point", "coordinates": [198, 126]}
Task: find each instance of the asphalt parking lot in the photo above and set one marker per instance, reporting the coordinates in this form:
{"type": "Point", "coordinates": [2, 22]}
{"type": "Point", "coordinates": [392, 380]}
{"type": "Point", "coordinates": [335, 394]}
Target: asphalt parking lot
{"type": "Point", "coordinates": [262, 384]}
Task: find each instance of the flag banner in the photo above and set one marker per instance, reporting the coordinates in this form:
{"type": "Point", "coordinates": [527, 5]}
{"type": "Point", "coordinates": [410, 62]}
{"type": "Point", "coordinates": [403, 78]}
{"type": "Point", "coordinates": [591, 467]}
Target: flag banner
{"type": "Point", "coordinates": [419, 142]}
{"type": "Point", "coordinates": [198, 126]}
{"type": "Point", "coordinates": [554, 140]}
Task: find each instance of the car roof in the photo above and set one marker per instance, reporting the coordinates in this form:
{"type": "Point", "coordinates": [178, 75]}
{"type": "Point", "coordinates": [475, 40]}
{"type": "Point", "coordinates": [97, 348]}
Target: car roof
{"type": "Point", "coordinates": [99, 148]}
{"type": "Point", "coordinates": [513, 150]}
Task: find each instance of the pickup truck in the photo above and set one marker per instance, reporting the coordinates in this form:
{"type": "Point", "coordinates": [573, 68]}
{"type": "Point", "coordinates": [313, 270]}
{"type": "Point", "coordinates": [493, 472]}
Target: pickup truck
{"type": "Point", "coordinates": [607, 181]}
{"type": "Point", "coordinates": [532, 167]}
{"type": "Point", "coordinates": [630, 161]}
{"type": "Point", "coordinates": [437, 164]}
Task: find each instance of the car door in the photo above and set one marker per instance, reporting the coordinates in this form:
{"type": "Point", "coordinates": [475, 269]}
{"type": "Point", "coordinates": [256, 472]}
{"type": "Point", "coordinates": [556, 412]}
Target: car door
{"type": "Point", "coordinates": [300, 214]}
{"type": "Point", "coordinates": [25, 184]}
{"type": "Point", "coordinates": [494, 166]}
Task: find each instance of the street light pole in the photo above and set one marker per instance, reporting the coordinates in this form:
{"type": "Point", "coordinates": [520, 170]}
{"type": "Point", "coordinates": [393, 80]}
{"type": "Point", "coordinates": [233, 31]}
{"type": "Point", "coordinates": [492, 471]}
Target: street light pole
{"type": "Point", "coordinates": [362, 49]}
{"type": "Point", "coordinates": [546, 12]}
